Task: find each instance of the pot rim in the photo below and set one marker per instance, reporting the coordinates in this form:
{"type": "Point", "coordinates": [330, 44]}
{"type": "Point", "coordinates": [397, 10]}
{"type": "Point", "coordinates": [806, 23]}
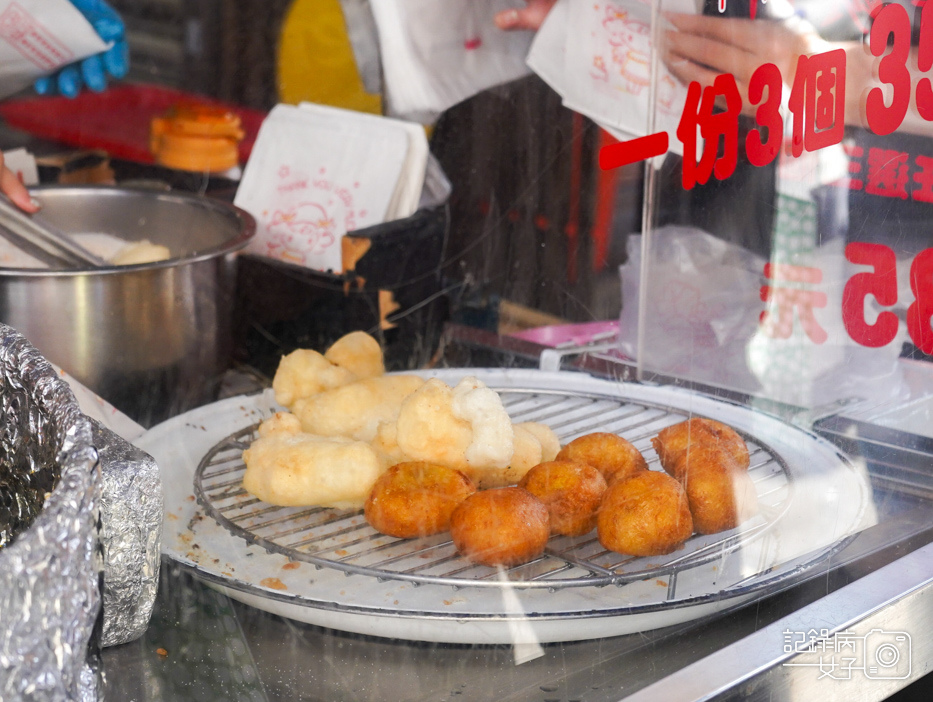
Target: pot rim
{"type": "Point", "coordinates": [247, 227]}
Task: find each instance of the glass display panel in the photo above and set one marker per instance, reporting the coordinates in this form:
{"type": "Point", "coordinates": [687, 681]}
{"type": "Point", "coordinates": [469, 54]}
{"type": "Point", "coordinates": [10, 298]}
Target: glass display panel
{"type": "Point", "coordinates": [680, 246]}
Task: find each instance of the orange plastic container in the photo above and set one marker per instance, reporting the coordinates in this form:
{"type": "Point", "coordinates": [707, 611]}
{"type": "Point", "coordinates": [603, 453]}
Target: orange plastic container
{"type": "Point", "coordinates": [118, 120]}
{"type": "Point", "coordinates": [196, 137]}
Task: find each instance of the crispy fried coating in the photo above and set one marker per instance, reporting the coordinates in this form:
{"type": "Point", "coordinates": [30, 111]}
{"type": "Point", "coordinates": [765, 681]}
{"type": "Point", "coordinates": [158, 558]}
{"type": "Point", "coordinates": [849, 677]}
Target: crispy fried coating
{"type": "Point", "coordinates": [299, 469]}
{"type": "Point", "coordinates": [721, 495]}
{"type": "Point", "coordinates": [645, 515]}
{"type": "Point", "coordinates": [503, 526]}
{"type": "Point", "coordinates": [386, 443]}
{"type": "Point", "coordinates": [359, 353]}
{"type": "Point", "coordinates": [279, 423]}
{"type": "Point", "coordinates": [428, 430]}
{"type": "Point", "coordinates": [416, 499]}
{"type": "Point", "coordinates": [571, 491]}
{"type": "Point", "coordinates": [465, 427]}
{"type": "Point", "coordinates": [305, 372]}
{"type": "Point", "coordinates": [550, 444]}
{"type": "Point", "coordinates": [527, 453]}
{"type": "Point", "coordinates": [356, 409]}
{"type": "Point", "coordinates": [614, 457]}
{"type": "Point", "coordinates": [675, 443]}
{"type": "Point", "coordinates": [492, 442]}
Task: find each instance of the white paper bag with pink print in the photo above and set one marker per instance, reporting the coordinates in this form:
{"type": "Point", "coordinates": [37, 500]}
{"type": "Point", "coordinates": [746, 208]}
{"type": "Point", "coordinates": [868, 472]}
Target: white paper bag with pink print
{"type": "Point", "coordinates": [548, 53]}
{"type": "Point", "coordinates": [407, 193]}
{"type": "Point", "coordinates": [37, 37]}
{"type": "Point", "coordinates": [436, 53]}
{"type": "Point", "coordinates": [548, 57]}
{"type": "Point", "coordinates": [313, 176]}
{"type": "Point", "coordinates": [607, 65]}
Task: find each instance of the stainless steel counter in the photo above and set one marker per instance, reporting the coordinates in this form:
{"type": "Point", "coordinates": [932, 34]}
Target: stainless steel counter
{"type": "Point", "coordinates": [201, 645]}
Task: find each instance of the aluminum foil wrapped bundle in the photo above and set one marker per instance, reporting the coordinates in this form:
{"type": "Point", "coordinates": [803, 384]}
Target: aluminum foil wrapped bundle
{"type": "Point", "coordinates": [131, 535]}
{"type": "Point", "coordinates": [50, 559]}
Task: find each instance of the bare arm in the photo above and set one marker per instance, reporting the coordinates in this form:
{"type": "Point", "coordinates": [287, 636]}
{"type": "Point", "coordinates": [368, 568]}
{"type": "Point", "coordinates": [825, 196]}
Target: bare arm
{"type": "Point", "coordinates": [529, 17]}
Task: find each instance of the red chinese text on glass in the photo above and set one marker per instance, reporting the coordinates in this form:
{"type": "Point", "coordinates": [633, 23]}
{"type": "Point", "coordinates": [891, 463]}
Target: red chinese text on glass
{"type": "Point", "coordinates": [786, 300]}
{"type": "Point", "coordinates": [817, 103]}
{"type": "Point", "coordinates": [793, 290]}
{"type": "Point", "coordinates": [713, 126]}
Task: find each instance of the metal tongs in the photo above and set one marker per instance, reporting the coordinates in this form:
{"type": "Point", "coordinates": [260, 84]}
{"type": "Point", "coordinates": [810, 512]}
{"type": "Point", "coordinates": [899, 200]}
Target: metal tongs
{"type": "Point", "coordinates": [42, 240]}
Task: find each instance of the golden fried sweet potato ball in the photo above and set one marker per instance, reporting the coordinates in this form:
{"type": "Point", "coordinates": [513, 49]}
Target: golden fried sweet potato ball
{"type": "Point", "coordinates": [675, 443]}
{"type": "Point", "coordinates": [614, 457]}
{"type": "Point", "coordinates": [645, 515]}
{"type": "Point", "coordinates": [501, 526]}
{"type": "Point", "coordinates": [721, 495]}
{"type": "Point", "coordinates": [416, 499]}
{"type": "Point", "coordinates": [571, 491]}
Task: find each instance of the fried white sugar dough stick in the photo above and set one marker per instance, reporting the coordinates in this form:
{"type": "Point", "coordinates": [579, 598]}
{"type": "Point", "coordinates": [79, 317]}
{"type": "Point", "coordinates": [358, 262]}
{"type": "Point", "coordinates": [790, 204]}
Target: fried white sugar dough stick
{"type": "Point", "coordinates": [465, 427]}
{"type": "Point", "coordinates": [721, 495]}
{"type": "Point", "coordinates": [416, 499]}
{"type": "Point", "coordinates": [359, 353]}
{"type": "Point", "coordinates": [616, 458]}
{"type": "Point", "coordinates": [386, 443]}
{"type": "Point", "coordinates": [674, 443]}
{"type": "Point", "coordinates": [645, 515]}
{"type": "Point", "coordinates": [503, 526]}
{"type": "Point", "coordinates": [305, 372]}
{"type": "Point", "coordinates": [571, 491]}
{"type": "Point", "coordinates": [545, 436]}
{"type": "Point", "coordinates": [532, 444]}
{"type": "Point", "coordinates": [279, 423]}
{"type": "Point", "coordinates": [355, 409]}
{"type": "Point", "coordinates": [299, 470]}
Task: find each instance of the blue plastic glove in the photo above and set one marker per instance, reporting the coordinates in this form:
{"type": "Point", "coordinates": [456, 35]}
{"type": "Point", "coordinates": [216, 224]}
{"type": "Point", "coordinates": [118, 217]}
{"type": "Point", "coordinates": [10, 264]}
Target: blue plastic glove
{"type": "Point", "coordinates": [92, 72]}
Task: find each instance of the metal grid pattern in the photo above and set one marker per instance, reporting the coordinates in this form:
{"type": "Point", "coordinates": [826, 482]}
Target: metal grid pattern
{"type": "Point", "coordinates": [343, 540]}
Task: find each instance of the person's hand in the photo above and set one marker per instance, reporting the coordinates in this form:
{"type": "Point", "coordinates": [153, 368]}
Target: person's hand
{"type": "Point", "coordinates": [11, 186]}
{"type": "Point", "coordinates": [704, 47]}
{"type": "Point", "coordinates": [530, 17]}
{"type": "Point", "coordinates": [92, 72]}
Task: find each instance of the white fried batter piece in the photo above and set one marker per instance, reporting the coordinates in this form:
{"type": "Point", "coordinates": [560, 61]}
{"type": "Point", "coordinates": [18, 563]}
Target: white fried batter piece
{"type": "Point", "coordinates": [279, 423]}
{"type": "Point", "coordinates": [427, 429]}
{"type": "Point", "coordinates": [355, 410]}
{"type": "Point", "coordinates": [492, 443]}
{"type": "Point", "coordinates": [534, 443]}
{"type": "Point", "coordinates": [300, 469]}
{"type": "Point", "coordinates": [386, 443]}
{"type": "Point", "coordinates": [359, 353]}
{"type": "Point", "coordinates": [550, 444]}
{"type": "Point", "coordinates": [465, 427]}
{"type": "Point", "coordinates": [305, 372]}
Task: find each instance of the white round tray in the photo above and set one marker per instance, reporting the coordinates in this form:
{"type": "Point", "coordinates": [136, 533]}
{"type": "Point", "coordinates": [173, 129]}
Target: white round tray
{"type": "Point", "coordinates": [820, 498]}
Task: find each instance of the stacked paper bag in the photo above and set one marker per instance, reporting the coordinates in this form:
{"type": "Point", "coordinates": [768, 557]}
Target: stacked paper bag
{"type": "Point", "coordinates": [598, 57]}
{"type": "Point", "coordinates": [318, 172]}
{"type": "Point", "coordinates": [436, 53]}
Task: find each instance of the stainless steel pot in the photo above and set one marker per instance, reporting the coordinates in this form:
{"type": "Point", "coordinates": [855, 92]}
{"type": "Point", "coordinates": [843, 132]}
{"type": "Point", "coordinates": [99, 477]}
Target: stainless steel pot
{"type": "Point", "coordinates": [155, 338]}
